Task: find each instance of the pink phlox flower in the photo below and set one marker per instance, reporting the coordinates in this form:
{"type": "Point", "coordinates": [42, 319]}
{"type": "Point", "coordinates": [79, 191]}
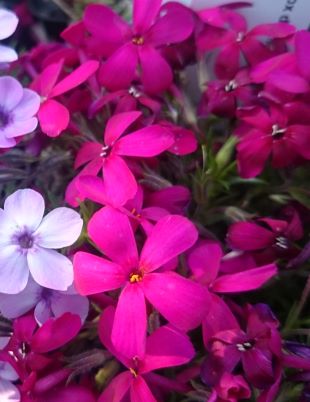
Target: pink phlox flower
{"type": "Point", "coordinates": [223, 275]}
{"type": "Point", "coordinates": [288, 72]}
{"type": "Point", "coordinates": [258, 348]}
{"type": "Point", "coordinates": [273, 237]}
{"type": "Point", "coordinates": [47, 303]}
{"type": "Point", "coordinates": [8, 23]}
{"type": "Point", "coordinates": [165, 347]}
{"type": "Point", "coordinates": [181, 301]}
{"type": "Point", "coordinates": [205, 259]}
{"type": "Point", "coordinates": [222, 97]}
{"type": "Point", "coordinates": [129, 47]}
{"type": "Point", "coordinates": [54, 116]}
{"type": "Point", "coordinates": [126, 100]}
{"type": "Point", "coordinates": [28, 241]}
{"type": "Point", "coordinates": [119, 184]}
{"type": "Point", "coordinates": [139, 214]}
{"type": "Point", "coordinates": [36, 355]}
{"type": "Point", "coordinates": [31, 344]}
{"type": "Point", "coordinates": [227, 30]}
{"type": "Point", "coordinates": [18, 107]}
{"type": "Point", "coordinates": [274, 132]}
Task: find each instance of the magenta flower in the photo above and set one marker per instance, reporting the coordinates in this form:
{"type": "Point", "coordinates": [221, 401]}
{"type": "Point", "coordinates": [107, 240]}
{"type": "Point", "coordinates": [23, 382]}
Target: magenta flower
{"type": "Point", "coordinates": [289, 72]}
{"type": "Point", "coordinates": [257, 348]}
{"type": "Point", "coordinates": [165, 347]}
{"type": "Point", "coordinates": [18, 107]}
{"type": "Point", "coordinates": [137, 47]}
{"type": "Point", "coordinates": [52, 335]}
{"type": "Point", "coordinates": [27, 243]}
{"type": "Point", "coordinates": [54, 116]}
{"type": "Point", "coordinates": [182, 302]}
{"type": "Point", "coordinates": [204, 260]}
{"type": "Point", "coordinates": [224, 275]}
{"type": "Point", "coordinates": [47, 303]}
{"type": "Point", "coordinates": [222, 97]}
{"type": "Point", "coordinates": [273, 236]}
{"type": "Point", "coordinates": [119, 184]}
{"type": "Point", "coordinates": [93, 189]}
{"type": "Point", "coordinates": [237, 40]}
{"type": "Point", "coordinates": [8, 24]}
{"type": "Point", "coordinates": [126, 100]}
{"type": "Point", "coordinates": [272, 132]}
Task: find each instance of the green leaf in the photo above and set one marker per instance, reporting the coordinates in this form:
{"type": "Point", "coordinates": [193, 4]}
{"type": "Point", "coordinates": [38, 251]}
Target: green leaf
{"type": "Point", "coordinates": [301, 195]}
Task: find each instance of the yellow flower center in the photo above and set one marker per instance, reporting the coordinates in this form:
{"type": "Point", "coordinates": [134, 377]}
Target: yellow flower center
{"type": "Point", "coordinates": [135, 277]}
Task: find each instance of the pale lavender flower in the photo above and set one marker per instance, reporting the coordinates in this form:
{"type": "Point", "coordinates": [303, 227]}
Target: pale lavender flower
{"type": "Point", "coordinates": [8, 24]}
{"type": "Point", "coordinates": [8, 391]}
{"type": "Point", "coordinates": [47, 303]}
{"type": "Point", "coordinates": [27, 241]}
{"type": "Point", "coordinates": [17, 109]}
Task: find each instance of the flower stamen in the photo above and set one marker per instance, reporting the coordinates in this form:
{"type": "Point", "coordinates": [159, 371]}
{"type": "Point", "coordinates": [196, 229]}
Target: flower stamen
{"type": "Point", "coordinates": [138, 40]}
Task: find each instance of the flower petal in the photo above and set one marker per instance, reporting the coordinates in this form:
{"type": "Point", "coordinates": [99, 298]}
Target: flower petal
{"type": "Point", "coordinates": [119, 70]}
{"type": "Point", "coordinates": [18, 128]}
{"type": "Point", "coordinates": [156, 72]}
{"type": "Point", "coordinates": [174, 26]}
{"type": "Point", "coordinates": [15, 305]}
{"type": "Point", "coordinates": [14, 270]}
{"type": "Point", "coordinates": [116, 170]}
{"type": "Point", "coordinates": [117, 388]}
{"type": "Point", "coordinates": [129, 328]}
{"type": "Point", "coordinates": [182, 302]}
{"type": "Point", "coordinates": [244, 281]}
{"type": "Point", "coordinates": [11, 93]}
{"type": "Point", "coordinates": [69, 393]}
{"type": "Point", "coordinates": [147, 142]}
{"type": "Point", "coordinates": [144, 14]}
{"type": "Point", "coordinates": [28, 105]}
{"type": "Point", "coordinates": [118, 124]}
{"type": "Point", "coordinates": [25, 207]}
{"type": "Point", "coordinates": [120, 246]}
{"type": "Point", "coordinates": [7, 55]}
{"type": "Point", "coordinates": [166, 347]}
{"type": "Point", "coordinates": [8, 392]}
{"type": "Point", "coordinates": [53, 118]}
{"type": "Point", "coordinates": [55, 333]}
{"type": "Point", "coordinates": [59, 228]}
{"type": "Point", "coordinates": [8, 23]}
{"type": "Point", "coordinates": [253, 151]}
{"type": "Point", "coordinates": [249, 236]}
{"type": "Point", "coordinates": [42, 312]}
{"type": "Point", "coordinates": [102, 22]}
{"type": "Point", "coordinates": [171, 236]}
{"type": "Point", "coordinates": [94, 274]}
{"type": "Point", "coordinates": [302, 50]}
{"type": "Point", "coordinates": [204, 260]}
{"type": "Point", "coordinates": [77, 77]}
{"type": "Point", "coordinates": [50, 269]}
{"type": "Point", "coordinates": [75, 304]}
{"type": "Point", "coordinates": [140, 391]}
